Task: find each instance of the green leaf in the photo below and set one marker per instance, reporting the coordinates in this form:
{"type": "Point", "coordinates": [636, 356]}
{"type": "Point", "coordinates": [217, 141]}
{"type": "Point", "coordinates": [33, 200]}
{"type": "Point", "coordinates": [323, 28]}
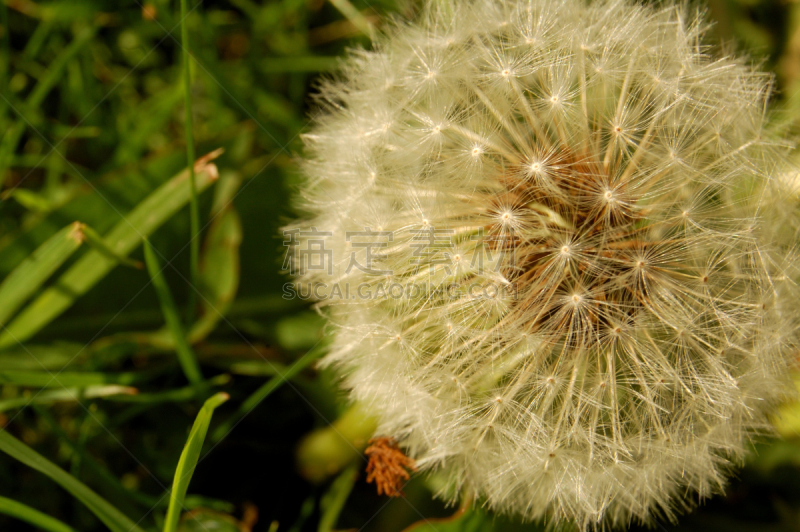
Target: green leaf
{"type": "Point", "coordinates": [188, 460]}
{"type": "Point", "coordinates": [150, 214]}
{"type": "Point", "coordinates": [36, 518]}
{"type": "Point", "coordinates": [110, 516]}
{"type": "Point", "coordinates": [29, 276]}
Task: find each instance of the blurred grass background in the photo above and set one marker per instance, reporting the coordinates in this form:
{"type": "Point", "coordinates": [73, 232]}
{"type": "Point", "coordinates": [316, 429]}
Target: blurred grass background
{"type": "Point", "coordinates": [105, 363]}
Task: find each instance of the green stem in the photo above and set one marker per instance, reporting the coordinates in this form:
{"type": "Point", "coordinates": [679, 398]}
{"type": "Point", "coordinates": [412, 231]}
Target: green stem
{"type": "Point", "coordinates": [194, 212]}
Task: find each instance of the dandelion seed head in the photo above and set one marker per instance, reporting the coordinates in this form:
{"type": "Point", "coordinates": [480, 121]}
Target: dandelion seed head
{"type": "Point", "coordinates": [604, 165]}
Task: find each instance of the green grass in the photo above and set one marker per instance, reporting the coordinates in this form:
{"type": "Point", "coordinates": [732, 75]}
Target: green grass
{"type": "Point", "coordinates": [106, 365]}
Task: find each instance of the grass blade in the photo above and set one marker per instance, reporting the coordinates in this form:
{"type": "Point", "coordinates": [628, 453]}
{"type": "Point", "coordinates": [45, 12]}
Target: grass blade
{"type": "Point", "coordinates": [263, 392]}
{"type": "Point", "coordinates": [150, 214]}
{"type": "Point", "coordinates": [29, 276]}
{"type": "Point", "coordinates": [188, 460]}
{"type": "Point", "coordinates": [78, 379]}
{"type": "Point", "coordinates": [67, 395]}
{"type": "Point", "coordinates": [110, 516]}
{"type": "Point", "coordinates": [334, 499]}
{"type": "Point", "coordinates": [23, 512]}
{"type": "Point", "coordinates": [57, 356]}
{"type": "Point", "coordinates": [178, 395]}
{"type": "Point", "coordinates": [186, 356]}
{"type": "Point", "coordinates": [354, 16]}
{"type": "Point", "coordinates": [96, 241]}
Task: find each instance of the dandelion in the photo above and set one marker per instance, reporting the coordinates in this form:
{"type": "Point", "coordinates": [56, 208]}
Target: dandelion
{"type": "Point", "coordinates": [583, 200]}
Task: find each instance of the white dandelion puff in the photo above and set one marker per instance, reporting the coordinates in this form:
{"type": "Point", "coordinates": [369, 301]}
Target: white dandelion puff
{"type": "Point", "coordinates": [593, 219]}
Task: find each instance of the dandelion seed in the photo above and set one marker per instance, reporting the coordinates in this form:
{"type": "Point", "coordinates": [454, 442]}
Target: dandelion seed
{"type": "Point", "coordinates": [620, 179]}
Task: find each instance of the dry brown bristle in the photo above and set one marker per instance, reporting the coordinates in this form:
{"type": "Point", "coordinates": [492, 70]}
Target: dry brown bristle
{"type": "Point", "coordinates": [388, 466]}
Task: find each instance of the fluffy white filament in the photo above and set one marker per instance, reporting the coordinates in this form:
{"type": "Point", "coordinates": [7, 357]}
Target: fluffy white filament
{"type": "Point", "coordinates": [591, 188]}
